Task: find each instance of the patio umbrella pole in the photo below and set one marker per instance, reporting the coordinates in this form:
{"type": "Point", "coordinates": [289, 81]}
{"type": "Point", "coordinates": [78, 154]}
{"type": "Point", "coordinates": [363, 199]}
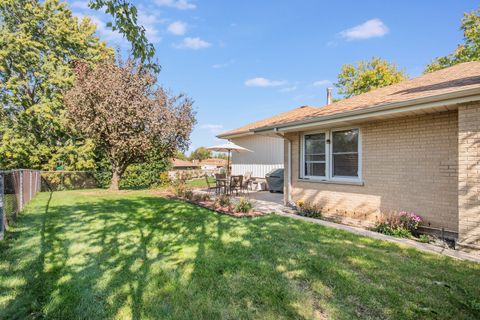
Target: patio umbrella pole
{"type": "Point", "coordinates": [228, 163]}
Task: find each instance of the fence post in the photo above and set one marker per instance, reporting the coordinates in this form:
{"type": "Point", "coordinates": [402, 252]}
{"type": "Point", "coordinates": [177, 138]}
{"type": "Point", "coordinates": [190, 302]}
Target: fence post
{"type": "Point", "coordinates": [21, 190]}
{"type": "Point", "coordinates": [2, 207]}
{"type": "Point", "coordinates": [30, 186]}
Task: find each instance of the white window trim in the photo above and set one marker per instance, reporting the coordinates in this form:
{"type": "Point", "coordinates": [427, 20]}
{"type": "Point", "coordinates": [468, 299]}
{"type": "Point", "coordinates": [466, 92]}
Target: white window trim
{"type": "Point", "coordinates": [326, 157]}
{"type": "Point", "coordinates": [328, 154]}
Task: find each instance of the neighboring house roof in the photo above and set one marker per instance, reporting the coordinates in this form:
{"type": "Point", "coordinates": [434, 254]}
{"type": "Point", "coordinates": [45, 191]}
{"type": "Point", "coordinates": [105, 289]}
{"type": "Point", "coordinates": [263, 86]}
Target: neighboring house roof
{"type": "Point", "coordinates": [183, 163]}
{"type": "Point", "coordinates": [297, 113]}
{"type": "Point", "coordinates": [214, 162]}
{"type": "Point", "coordinates": [461, 80]}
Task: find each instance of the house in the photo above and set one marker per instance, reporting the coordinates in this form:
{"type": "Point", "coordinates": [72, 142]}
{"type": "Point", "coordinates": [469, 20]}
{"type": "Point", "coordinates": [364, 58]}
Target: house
{"type": "Point", "coordinates": [212, 164]}
{"type": "Point", "coordinates": [178, 164]}
{"type": "Point", "coordinates": [412, 146]}
{"type": "Point", "coordinates": [267, 150]}
{"type": "Point", "coordinates": [185, 169]}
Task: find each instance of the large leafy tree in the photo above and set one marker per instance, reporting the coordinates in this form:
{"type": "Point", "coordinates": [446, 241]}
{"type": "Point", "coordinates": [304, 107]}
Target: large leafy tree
{"type": "Point", "coordinates": [367, 75]}
{"type": "Point", "coordinates": [38, 42]}
{"type": "Point", "coordinates": [125, 21]}
{"type": "Point", "coordinates": [467, 51]}
{"type": "Point", "coordinates": [201, 153]}
{"type": "Point", "coordinates": [120, 107]}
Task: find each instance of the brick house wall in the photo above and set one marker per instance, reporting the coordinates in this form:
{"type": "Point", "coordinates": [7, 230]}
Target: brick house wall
{"type": "Point", "coordinates": [408, 163]}
{"type": "Point", "coordinates": [469, 174]}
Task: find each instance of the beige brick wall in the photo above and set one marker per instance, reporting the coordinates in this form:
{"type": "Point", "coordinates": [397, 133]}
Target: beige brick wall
{"type": "Point", "coordinates": [469, 174]}
{"type": "Point", "coordinates": [409, 164]}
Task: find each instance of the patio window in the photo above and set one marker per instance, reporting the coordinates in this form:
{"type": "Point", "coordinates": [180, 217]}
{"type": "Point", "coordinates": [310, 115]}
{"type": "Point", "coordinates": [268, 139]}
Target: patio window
{"type": "Point", "coordinates": [331, 155]}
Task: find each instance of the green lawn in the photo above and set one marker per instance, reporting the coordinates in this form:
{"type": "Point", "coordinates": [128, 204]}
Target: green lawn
{"type": "Point", "coordinates": [200, 183]}
{"type": "Point", "coordinates": [98, 255]}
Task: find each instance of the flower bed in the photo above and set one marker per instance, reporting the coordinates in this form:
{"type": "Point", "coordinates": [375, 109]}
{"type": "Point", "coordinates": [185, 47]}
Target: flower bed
{"type": "Point", "coordinates": [222, 204]}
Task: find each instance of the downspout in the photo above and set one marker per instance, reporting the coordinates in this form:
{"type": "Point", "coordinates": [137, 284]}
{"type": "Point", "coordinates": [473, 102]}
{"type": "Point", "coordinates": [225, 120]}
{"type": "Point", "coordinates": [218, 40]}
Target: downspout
{"type": "Point", "coordinates": [289, 167]}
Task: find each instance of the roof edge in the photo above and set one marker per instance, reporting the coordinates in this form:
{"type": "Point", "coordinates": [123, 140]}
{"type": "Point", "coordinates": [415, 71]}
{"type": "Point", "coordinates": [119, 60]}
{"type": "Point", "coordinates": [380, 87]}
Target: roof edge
{"type": "Point", "coordinates": [474, 92]}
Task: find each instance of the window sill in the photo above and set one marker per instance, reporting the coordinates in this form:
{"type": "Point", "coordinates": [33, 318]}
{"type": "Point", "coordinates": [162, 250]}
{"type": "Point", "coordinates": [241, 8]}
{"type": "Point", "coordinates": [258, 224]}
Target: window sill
{"type": "Point", "coordinates": [345, 182]}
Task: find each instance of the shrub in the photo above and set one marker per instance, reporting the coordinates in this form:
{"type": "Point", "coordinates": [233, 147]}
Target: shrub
{"type": "Point", "coordinates": [179, 188]}
{"type": "Point", "coordinates": [243, 205]}
{"type": "Point", "coordinates": [409, 220]}
{"type": "Point", "coordinates": [399, 224]}
{"type": "Point", "coordinates": [308, 209]}
{"type": "Point", "coordinates": [424, 238]}
{"type": "Point", "coordinates": [188, 194]}
{"type": "Point", "coordinates": [201, 197]}
{"type": "Point", "coordinates": [223, 200]}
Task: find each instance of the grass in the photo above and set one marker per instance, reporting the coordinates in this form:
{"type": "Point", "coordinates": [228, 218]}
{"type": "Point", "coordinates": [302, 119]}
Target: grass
{"type": "Point", "coordinates": [200, 182]}
{"type": "Point", "coordinates": [100, 255]}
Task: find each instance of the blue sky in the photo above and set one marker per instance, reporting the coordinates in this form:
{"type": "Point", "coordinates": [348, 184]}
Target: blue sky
{"type": "Point", "coordinates": [242, 61]}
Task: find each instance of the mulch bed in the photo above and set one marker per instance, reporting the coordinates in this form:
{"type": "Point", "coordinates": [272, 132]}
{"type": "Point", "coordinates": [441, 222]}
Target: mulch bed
{"type": "Point", "coordinates": [210, 205]}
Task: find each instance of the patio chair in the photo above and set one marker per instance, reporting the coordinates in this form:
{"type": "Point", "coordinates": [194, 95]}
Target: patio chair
{"type": "Point", "coordinates": [211, 188]}
{"type": "Point", "coordinates": [236, 183]}
{"type": "Point", "coordinates": [247, 181]}
{"type": "Point", "coordinates": [220, 176]}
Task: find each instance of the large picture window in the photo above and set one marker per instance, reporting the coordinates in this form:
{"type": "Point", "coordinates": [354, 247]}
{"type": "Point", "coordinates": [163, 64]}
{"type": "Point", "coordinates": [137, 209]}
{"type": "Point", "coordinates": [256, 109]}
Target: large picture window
{"type": "Point", "coordinates": [333, 154]}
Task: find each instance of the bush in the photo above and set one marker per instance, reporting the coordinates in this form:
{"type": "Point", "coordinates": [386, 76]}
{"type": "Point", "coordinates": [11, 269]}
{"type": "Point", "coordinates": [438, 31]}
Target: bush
{"type": "Point", "coordinates": [144, 175]}
{"type": "Point", "coordinates": [409, 220]}
{"type": "Point", "coordinates": [188, 194]}
{"type": "Point", "coordinates": [223, 200]}
{"type": "Point", "coordinates": [401, 224]}
{"type": "Point", "coordinates": [307, 209]}
{"type": "Point", "coordinates": [243, 206]}
{"type": "Point", "coordinates": [179, 188]}
{"type": "Point", "coordinates": [201, 197]}
{"type": "Point", "coordinates": [424, 238]}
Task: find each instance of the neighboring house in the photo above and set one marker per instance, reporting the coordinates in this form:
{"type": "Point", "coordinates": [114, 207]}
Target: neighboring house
{"type": "Point", "coordinates": [267, 152]}
{"type": "Point", "coordinates": [178, 164]}
{"type": "Point", "coordinates": [412, 146]}
{"type": "Point", "coordinates": [184, 168]}
{"type": "Point", "coordinates": [212, 164]}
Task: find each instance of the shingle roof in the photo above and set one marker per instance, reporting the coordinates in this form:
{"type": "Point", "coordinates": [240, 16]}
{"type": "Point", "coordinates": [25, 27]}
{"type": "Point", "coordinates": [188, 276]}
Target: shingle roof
{"type": "Point", "coordinates": [183, 163]}
{"type": "Point", "coordinates": [453, 79]}
{"type": "Point", "coordinates": [214, 161]}
{"type": "Point", "coordinates": [291, 115]}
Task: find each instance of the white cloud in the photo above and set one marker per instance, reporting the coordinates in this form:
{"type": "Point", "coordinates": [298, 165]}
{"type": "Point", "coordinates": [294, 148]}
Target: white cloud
{"type": "Point", "coordinates": [264, 82]}
{"type": "Point", "coordinates": [213, 128]}
{"type": "Point", "coordinates": [321, 83]}
{"type": "Point", "coordinates": [288, 89]}
{"type": "Point", "coordinates": [104, 32]}
{"type": "Point", "coordinates": [369, 29]}
{"type": "Point", "coordinates": [193, 43]}
{"type": "Point", "coordinates": [178, 4]}
{"type": "Point", "coordinates": [178, 28]}
{"type": "Point", "coordinates": [149, 22]}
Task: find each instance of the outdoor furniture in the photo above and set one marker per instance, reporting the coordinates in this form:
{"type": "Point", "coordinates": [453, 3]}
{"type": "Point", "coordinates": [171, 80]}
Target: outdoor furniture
{"type": "Point", "coordinates": [219, 176]}
{"type": "Point", "coordinates": [247, 181]}
{"type": "Point", "coordinates": [211, 188]}
{"type": "Point", "coordinates": [236, 183]}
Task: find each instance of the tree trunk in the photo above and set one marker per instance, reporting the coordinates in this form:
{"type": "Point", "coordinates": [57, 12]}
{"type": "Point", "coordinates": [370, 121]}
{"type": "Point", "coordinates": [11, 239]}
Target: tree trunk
{"type": "Point", "coordinates": [116, 175]}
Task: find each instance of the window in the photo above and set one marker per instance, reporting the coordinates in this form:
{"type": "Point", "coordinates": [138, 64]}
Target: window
{"type": "Point", "coordinates": [331, 155]}
{"type": "Point", "coordinates": [345, 153]}
{"type": "Point", "coordinates": [315, 162]}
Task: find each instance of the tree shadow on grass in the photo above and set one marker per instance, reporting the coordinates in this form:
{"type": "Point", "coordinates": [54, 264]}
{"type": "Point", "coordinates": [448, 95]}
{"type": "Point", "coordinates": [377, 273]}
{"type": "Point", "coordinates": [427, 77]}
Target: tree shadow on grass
{"type": "Point", "coordinates": [141, 257]}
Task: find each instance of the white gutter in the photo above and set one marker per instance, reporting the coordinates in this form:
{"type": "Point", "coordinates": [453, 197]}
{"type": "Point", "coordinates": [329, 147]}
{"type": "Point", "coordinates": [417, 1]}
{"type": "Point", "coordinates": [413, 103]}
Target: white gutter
{"type": "Point", "coordinates": [385, 109]}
